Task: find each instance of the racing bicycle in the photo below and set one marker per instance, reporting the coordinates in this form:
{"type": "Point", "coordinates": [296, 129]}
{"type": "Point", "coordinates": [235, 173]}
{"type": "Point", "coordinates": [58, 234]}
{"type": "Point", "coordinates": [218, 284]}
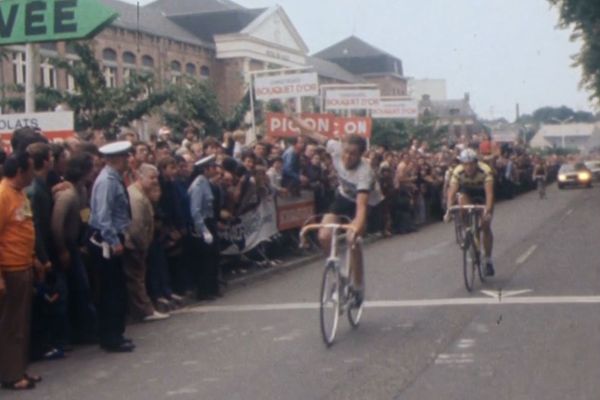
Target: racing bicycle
{"type": "Point", "coordinates": [338, 296]}
{"type": "Point", "coordinates": [470, 227]}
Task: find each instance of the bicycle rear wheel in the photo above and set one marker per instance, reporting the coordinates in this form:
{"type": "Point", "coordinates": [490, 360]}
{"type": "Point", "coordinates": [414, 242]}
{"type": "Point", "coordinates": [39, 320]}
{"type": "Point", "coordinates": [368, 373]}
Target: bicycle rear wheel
{"type": "Point", "coordinates": [469, 262]}
{"type": "Point", "coordinates": [329, 303]}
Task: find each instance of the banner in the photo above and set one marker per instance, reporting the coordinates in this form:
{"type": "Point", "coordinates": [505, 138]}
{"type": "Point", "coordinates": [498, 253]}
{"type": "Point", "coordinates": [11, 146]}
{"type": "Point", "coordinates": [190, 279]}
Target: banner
{"type": "Point", "coordinates": [350, 99]}
{"type": "Point", "coordinates": [251, 229]}
{"type": "Point", "coordinates": [292, 212]}
{"type": "Point", "coordinates": [396, 109]}
{"type": "Point", "coordinates": [54, 125]}
{"type": "Point", "coordinates": [286, 86]}
{"type": "Point", "coordinates": [281, 126]}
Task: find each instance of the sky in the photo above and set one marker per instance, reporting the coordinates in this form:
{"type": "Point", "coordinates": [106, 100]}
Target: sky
{"type": "Point", "coordinates": [502, 52]}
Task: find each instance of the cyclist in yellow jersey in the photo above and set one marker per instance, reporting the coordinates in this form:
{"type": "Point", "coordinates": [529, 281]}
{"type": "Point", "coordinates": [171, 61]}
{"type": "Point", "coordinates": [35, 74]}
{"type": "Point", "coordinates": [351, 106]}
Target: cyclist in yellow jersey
{"type": "Point", "coordinates": [474, 180]}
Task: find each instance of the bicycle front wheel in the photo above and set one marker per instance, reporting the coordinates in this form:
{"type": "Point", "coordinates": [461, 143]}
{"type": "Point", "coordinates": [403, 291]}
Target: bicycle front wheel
{"type": "Point", "coordinates": [469, 262]}
{"type": "Point", "coordinates": [354, 313]}
{"type": "Point", "coordinates": [330, 303]}
{"type": "Point", "coordinates": [459, 230]}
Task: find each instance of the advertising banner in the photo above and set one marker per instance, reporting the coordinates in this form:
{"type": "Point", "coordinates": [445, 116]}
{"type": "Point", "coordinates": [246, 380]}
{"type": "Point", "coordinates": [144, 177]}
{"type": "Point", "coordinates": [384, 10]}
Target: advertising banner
{"type": "Point", "coordinates": [292, 212]}
{"type": "Point", "coordinates": [286, 86]}
{"type": "Point", "coordinates": [251, 229]}
{"type": "Point", "coordinates": [281, 126]}
{"type": "Point", "coordinates": [396, 109]}
{"type": "Point", "coordinates": [347, 99]}
{"type": "Point", "coordinates": [54, 125]}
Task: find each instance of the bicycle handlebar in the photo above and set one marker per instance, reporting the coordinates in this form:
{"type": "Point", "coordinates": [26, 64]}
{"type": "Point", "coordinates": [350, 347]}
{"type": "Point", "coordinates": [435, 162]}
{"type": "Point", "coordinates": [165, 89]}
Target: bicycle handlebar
{"type": "Point", "coordinates": [467, 208]}
{"type": "Point", "coordinates": [314, 227]}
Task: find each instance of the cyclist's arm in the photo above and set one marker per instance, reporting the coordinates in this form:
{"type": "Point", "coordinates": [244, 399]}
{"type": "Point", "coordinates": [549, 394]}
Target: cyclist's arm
{"type": "Point", "coordinates": [307, 131]}
{"type": "Point", "coordinates": [360, 220]}
{"type": "Point", "coordinates": [452, 190]}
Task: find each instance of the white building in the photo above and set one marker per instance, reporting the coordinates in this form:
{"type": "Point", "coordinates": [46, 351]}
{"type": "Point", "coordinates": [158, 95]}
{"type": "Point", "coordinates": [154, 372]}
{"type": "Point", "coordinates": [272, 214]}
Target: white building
{"type": "Point", "coordinates": [583, 137]}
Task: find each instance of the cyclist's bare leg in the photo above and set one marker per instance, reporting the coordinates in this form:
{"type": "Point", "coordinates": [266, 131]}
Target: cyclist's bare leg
{"type": "Point", "coordinates": [326, 233]}
{"type": "Point", "coordinates": [488, 238]}
{"type": "Point", "coordinates": [357, 267]}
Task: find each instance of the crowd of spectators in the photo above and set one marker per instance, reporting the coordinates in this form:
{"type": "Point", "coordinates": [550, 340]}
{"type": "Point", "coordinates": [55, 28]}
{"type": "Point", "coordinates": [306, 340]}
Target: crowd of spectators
{"type": "Point", "coordinates": [171, 254]}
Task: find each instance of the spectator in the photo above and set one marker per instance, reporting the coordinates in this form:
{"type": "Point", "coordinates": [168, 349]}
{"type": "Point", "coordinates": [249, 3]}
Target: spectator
{"type": "Point", "coordinates": [292, 178]}
{"type": "Point", "coordinates": [67, 228]}
{"type": "Point", "coordinates": [138, 238]}
{"type": "Point", "coordinates": [17, 242]}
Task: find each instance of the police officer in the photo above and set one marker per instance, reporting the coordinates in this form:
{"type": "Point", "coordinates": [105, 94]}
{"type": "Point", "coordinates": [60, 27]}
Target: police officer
{"type": "Point", "coordinates": [204, 229]}
{"type": "Point", "coordinates": [110, 217]}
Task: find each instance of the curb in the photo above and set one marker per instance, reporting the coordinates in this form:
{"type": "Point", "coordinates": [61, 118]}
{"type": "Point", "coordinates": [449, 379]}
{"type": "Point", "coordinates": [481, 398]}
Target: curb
{"type": "Point", "coordinates": [262, 275]}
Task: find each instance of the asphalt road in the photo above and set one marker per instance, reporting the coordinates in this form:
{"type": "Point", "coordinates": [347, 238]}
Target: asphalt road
{"type": "Point", "coordinates": [533, 334]}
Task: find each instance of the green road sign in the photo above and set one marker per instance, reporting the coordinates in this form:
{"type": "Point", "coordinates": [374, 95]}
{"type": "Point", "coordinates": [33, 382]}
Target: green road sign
{"type": "Point", "coordinates": [28, 21]}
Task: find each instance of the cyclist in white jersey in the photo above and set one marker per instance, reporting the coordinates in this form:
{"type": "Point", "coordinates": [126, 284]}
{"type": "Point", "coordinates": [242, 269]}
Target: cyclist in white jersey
{"type": "Point", "coordinates": [358, 189]}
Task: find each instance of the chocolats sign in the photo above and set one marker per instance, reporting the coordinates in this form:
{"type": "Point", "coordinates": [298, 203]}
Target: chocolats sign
{"type": "Point", "coordinates": [54, 125]}
{"type": "Point", "coordinates": [23, 21]}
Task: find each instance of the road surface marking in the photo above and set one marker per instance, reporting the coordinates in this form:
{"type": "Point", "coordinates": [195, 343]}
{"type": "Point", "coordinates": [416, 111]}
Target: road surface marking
{"type": "Point", "coordinates": [528, 253]}
{"type": "Point", "coordinates": [466, 344]}
{"type": "Point", "coordinates": [474, 301]}
{"type": "Point", "coordinates": [570, 212]}
{"type": "Point", "coordinates": [501, 294]}
{"type": "Point", "coordinates": [462, 358]}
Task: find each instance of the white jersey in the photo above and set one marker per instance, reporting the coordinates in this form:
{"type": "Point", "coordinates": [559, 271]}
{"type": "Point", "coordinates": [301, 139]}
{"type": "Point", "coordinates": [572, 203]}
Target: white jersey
{"type": "Point", "coordinates": [352, 182]}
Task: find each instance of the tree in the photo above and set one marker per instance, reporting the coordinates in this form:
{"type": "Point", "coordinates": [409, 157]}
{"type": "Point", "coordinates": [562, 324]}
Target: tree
{"type": "Point", "coordinates": [194, 103]}
{"type": "Point", "coordinates": [97, 106]}
{"type": "Point", "coordinates": [583, 16]}
{"type": "Point", "coordinates": [392, 134]}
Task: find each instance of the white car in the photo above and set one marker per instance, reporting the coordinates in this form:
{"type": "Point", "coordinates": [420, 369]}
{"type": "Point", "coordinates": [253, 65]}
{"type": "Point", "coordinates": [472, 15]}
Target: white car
{"type": "Point", "coordinates": [594, 167]}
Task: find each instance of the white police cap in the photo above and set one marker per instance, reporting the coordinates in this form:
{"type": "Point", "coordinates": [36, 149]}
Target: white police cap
{"type": "Point", "coordinates": [116, 148]}
{"type": "Point", "coordinates": [205, 161]}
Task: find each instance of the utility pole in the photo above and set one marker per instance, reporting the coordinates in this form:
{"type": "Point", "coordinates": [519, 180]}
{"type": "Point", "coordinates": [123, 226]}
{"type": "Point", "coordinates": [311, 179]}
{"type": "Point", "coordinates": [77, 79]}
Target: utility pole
{"type": "Point", "coordinates": [30, 68]}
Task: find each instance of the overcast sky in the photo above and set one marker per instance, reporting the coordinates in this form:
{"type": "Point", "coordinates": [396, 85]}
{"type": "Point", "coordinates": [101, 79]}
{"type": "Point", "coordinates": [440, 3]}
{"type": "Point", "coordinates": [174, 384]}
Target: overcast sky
{"type": "Point", "coordinates": [502, 52]}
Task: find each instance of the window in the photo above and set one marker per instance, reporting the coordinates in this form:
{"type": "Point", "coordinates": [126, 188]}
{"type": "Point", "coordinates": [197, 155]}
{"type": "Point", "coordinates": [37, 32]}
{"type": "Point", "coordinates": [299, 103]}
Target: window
{"type": "Point", "coordinates": [190, 69]}
{"type": "Point", "coordinates": [129, 58]}
{"type": "Point", "coordinates": [109, 55]}
{"type": "Point", "coordinates": [50, 46]}
{"type": "Point", "coordinates": [71, 48]}
{"type": "Point", "coordinates": [129, 64]}
{"type": "Point", "coordinates": [47, 74]}
{"type": "Point", "coordinates": [71, 86]}
{"type": "Point", "coordinates": [175, 72]}
{"type": "Point", "coordinates": [205, 71]}
{"type": "Point", "coordinates": [147, 62]}
{"type": "Point", "coordinates": [110, 76]}
{"type": "Point", "coordinates": [19, 68]}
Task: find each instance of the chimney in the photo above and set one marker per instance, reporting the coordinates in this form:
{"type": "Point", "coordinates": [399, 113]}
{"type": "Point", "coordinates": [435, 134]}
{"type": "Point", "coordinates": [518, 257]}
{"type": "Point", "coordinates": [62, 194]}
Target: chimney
{"type": "Point", "coordinates": [467, 97]}
{"type": "Point", "coordinates": [518, 111]}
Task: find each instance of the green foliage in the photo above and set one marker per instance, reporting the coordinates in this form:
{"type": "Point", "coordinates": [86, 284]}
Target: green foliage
{"type": "Point", "coordinates": [556, 115]}
{"type": "Point", "coordinates": [583, 17]}
{"type": "Point", "coordinates": [194, 103]}
{"type": "Point", "coordinates": [392, 134]}
{"type": "Point", "coordinates": [236, 118]}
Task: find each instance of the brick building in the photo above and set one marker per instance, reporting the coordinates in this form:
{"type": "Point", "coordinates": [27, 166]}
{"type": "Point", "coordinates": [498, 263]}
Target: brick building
{"type": "Point", "coordinates": [216, 40]}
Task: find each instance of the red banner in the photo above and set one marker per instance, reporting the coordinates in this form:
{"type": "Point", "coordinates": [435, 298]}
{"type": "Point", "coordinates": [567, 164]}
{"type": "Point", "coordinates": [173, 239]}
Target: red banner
{"type": "Point", "coordinates": [281, 126]}
{"type": "Point", "coordinates": [292, 212]}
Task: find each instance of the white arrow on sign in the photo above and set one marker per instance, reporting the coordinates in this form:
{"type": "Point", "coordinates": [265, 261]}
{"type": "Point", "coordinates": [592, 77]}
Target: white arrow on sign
{"type": "Point", "coordinates": [499, 294]}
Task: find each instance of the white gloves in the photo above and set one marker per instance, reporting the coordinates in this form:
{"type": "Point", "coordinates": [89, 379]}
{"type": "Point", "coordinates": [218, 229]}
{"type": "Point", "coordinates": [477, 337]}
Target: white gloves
{"type": "Point", "coordinates": [207, 236]}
